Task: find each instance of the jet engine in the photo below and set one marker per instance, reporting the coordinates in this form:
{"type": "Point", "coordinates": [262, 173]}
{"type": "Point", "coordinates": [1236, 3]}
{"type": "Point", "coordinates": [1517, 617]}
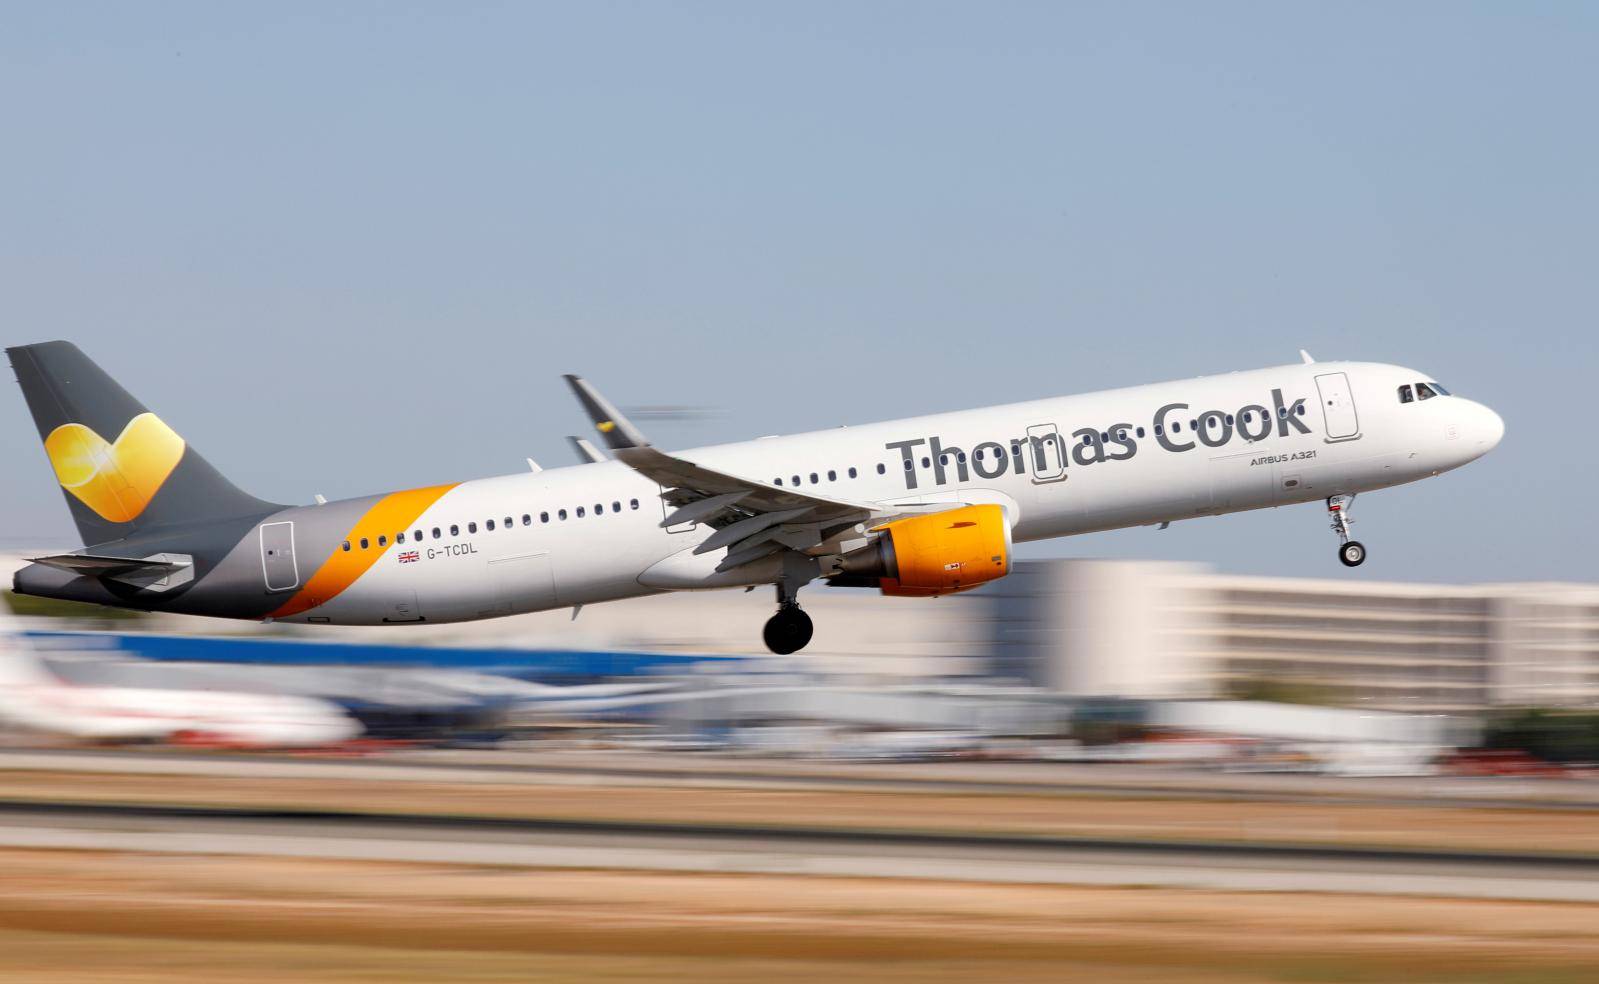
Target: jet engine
{"type": "Point", "coordinates": [937, 554]}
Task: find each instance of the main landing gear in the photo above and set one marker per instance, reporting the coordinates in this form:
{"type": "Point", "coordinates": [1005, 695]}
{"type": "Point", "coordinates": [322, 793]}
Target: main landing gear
{"type": "Point", "coordinates": [1352, 553]}
{"type": "Point", "coordinates": [790, 629]}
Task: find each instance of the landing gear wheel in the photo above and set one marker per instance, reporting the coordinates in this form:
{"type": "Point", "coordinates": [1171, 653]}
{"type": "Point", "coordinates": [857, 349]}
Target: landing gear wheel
{"type": "Point", "coordinates": [788, 631]}
{"type": "Point", "coordinates": [1353, 553]}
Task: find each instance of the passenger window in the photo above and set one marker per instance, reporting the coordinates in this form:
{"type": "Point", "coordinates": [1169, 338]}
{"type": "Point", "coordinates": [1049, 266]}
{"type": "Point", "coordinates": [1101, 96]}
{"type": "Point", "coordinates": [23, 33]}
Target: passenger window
{"type": "Point", "coordinates": [1424, 392]}
{"type": "Point", "coordinates": [383, 540]}
{"type": "Point", "coordinates": [1229, 420]}
{"type": "Point", "coordinates": [852, 472]}
{"type": "Point", "coordinates": [909, 464]}
{"type": "Point", "coordinates": [527, 519]}
{"type": "Point", "coordinates": [599, 509]}
{"type": "Point", "coordinates": [882, 469]}
{"type": "Point", "coordinates": [471, 527]}
{"type": "Point", "coordinates": [777, 481]}
{"type": "Point", "coordinates": [633, 503]}
{"type": "Point", "coordinates": [927, 462]}
{"type": "Point", "coordinates": [544, 517]}
{"type": "Point", "coordinates": [346, 546]}
{"type": "Point", "coordinates": [1140, 432]}
{"type": "Point", "coordinates": [455, 530]}
{"type": "Point", "coordinates": [364, 543]}
{"type": "Point", "coordinates": [796, 480]}
{"type": "Point", "coordinates": [489, 525]}
{"type": "Point", "coordinates": [832, 476]}
{"type": "Point", "coordinates": [418, 536]}
{"type": "Point", "coordinates": [399, 538]}
{"type": "Point", "coordinates": [436, 533]}
{"type": "Point", "coordinates": [1405, 396]}
{"type": "Point", "coordinates": [580, 512]}
{"type": "Point", "coordinates": [814, 479]}
{"type": "Point", "coordinates": [616, 507]}
{"type": "Point", "coordinates": [560, 514]}
{"type": "Point", "coordinates": [508, 523]}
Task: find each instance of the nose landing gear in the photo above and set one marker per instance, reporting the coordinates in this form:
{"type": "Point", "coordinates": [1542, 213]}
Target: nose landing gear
{"type": "Point", "coordinates": [1351, 553]}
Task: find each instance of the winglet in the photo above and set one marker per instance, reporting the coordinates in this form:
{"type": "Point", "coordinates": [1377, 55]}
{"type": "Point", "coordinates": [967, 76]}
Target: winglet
{"type": "Point", "coordinates": [1306, 356]}
{"type": "Point", "coordinates": [587, 453]}
{"type": "Point", "coordinates": [618, 431]}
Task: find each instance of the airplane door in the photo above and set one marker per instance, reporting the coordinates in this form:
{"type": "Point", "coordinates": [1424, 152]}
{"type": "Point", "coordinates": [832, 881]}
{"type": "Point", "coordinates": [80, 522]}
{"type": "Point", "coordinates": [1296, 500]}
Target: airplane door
{"type": "Point", "coordinates": [1338, 407]}
{"type": "Point", "coordinates": [277, 556]}
{"type": "Point", "coordinates": [1046, 453]}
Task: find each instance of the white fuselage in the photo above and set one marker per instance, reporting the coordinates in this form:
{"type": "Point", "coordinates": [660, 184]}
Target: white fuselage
{"type": "Point", "coordinates": [1059, 467]}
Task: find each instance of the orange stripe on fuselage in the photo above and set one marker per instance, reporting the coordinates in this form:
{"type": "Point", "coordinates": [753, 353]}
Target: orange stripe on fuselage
{"type": "Point", "coordinates": [389, 515]}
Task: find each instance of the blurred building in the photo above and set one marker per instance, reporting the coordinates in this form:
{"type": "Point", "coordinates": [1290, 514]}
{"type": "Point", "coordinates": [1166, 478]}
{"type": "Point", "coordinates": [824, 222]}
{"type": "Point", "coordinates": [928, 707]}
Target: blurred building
{"type": "Point", "coordinates": [1139, 629]}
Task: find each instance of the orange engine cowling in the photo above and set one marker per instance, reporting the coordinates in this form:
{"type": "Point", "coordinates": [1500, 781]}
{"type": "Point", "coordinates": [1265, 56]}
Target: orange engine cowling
{"type": "Point", "coordinates": [936, 554]}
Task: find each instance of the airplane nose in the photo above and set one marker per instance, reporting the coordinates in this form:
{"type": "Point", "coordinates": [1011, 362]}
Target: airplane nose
{"type": "Point", "coordinates": [1486, 429]}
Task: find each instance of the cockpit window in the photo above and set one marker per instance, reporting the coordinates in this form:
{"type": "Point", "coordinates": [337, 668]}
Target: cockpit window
{"type": "Point", "coordinates": [1438, 389]}
{"type": "Point", "coordinates": [1424, 392]}
{"type": "Point", "coordinates": [1405, 395]}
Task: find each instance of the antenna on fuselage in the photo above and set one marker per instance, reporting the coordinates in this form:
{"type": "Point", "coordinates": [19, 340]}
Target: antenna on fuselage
{"type": "Point", "coordinates": [1306, 356]}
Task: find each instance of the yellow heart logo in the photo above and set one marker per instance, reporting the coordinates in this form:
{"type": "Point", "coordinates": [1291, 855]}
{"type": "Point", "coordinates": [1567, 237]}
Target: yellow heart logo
{"type": "Point", "coordinates": [119, 479]}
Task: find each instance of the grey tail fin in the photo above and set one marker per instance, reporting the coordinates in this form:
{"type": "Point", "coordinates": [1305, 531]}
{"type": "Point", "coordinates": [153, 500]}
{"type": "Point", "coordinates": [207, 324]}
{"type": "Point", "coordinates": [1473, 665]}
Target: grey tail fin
{"type": "Point", "coordinates": [121, 468]}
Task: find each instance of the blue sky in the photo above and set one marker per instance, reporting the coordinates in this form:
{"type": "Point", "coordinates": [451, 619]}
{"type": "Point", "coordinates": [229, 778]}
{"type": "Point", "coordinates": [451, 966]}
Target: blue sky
{"type": "Point", "coordinates": [347, 247]}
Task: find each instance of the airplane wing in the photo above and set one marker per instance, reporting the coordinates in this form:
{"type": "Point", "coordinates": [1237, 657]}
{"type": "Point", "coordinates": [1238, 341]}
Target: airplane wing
{"type": "Point", "coordinates": [96, 565]}
{"type": "Point", "coordinates": [751, 518]}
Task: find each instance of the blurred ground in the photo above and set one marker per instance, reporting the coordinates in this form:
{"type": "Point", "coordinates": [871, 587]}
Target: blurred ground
{"type": "Point", "coordinates": [78, 917]}
{"type": "Point", "coordinates": [1189, 816]}
{"type": "Point", "coordinates": [176, 915]}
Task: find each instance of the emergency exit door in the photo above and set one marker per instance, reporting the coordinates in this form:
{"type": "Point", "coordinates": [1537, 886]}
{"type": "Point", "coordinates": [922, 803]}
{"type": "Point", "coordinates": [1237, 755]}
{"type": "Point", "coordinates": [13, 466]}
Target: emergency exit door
{"type": "Point", "coordinates": [1338, 407]}
{"type": "Point", "coordinates": [277, 556]}
{"type": "Point", "coordinates": [1047, 453]}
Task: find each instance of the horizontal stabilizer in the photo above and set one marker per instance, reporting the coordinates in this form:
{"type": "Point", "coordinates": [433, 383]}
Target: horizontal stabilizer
{"type": "Point", "coordinates": [93, 565]}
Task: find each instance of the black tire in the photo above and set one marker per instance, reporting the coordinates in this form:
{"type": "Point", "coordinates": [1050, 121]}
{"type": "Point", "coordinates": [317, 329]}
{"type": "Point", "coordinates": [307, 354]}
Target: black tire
{"type": "Point", "coordinates": [1352, 554]}
{"type": "Point", "coordinates": [788, 631]}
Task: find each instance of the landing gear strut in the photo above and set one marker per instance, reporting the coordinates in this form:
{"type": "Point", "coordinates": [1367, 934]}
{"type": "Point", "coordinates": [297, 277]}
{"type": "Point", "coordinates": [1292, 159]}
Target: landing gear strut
{"type": "Point", "coordinates": [1352, 553]}
{"type": "Point", "coordinates": [790, 629]}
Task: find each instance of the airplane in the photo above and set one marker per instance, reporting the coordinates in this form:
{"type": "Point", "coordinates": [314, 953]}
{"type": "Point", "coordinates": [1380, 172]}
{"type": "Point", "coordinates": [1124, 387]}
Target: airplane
{"type": "Point", "coordinates": [918, 507]}
{"type": "Point", "coordinates": [33, 698]}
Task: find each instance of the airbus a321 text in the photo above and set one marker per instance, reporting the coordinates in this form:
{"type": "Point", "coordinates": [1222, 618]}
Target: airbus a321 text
{"type": "Point", "coordinates": [919, 507]}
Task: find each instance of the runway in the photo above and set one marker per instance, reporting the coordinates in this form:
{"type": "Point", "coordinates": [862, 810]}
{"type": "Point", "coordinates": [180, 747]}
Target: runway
{"type": "Point", "coordinates": [519, 843]}
{"type": "Point", "coordinates": [660, 770]}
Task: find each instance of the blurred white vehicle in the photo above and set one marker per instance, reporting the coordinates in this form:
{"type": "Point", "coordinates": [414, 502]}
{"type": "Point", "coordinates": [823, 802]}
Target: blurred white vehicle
{"type": "Point", "coordinates": [34, 699]}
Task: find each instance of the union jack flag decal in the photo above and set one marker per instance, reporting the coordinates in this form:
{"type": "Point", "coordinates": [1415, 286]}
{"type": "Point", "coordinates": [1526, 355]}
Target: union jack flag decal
{"type": "Point", "coordinates": [410, 556]}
